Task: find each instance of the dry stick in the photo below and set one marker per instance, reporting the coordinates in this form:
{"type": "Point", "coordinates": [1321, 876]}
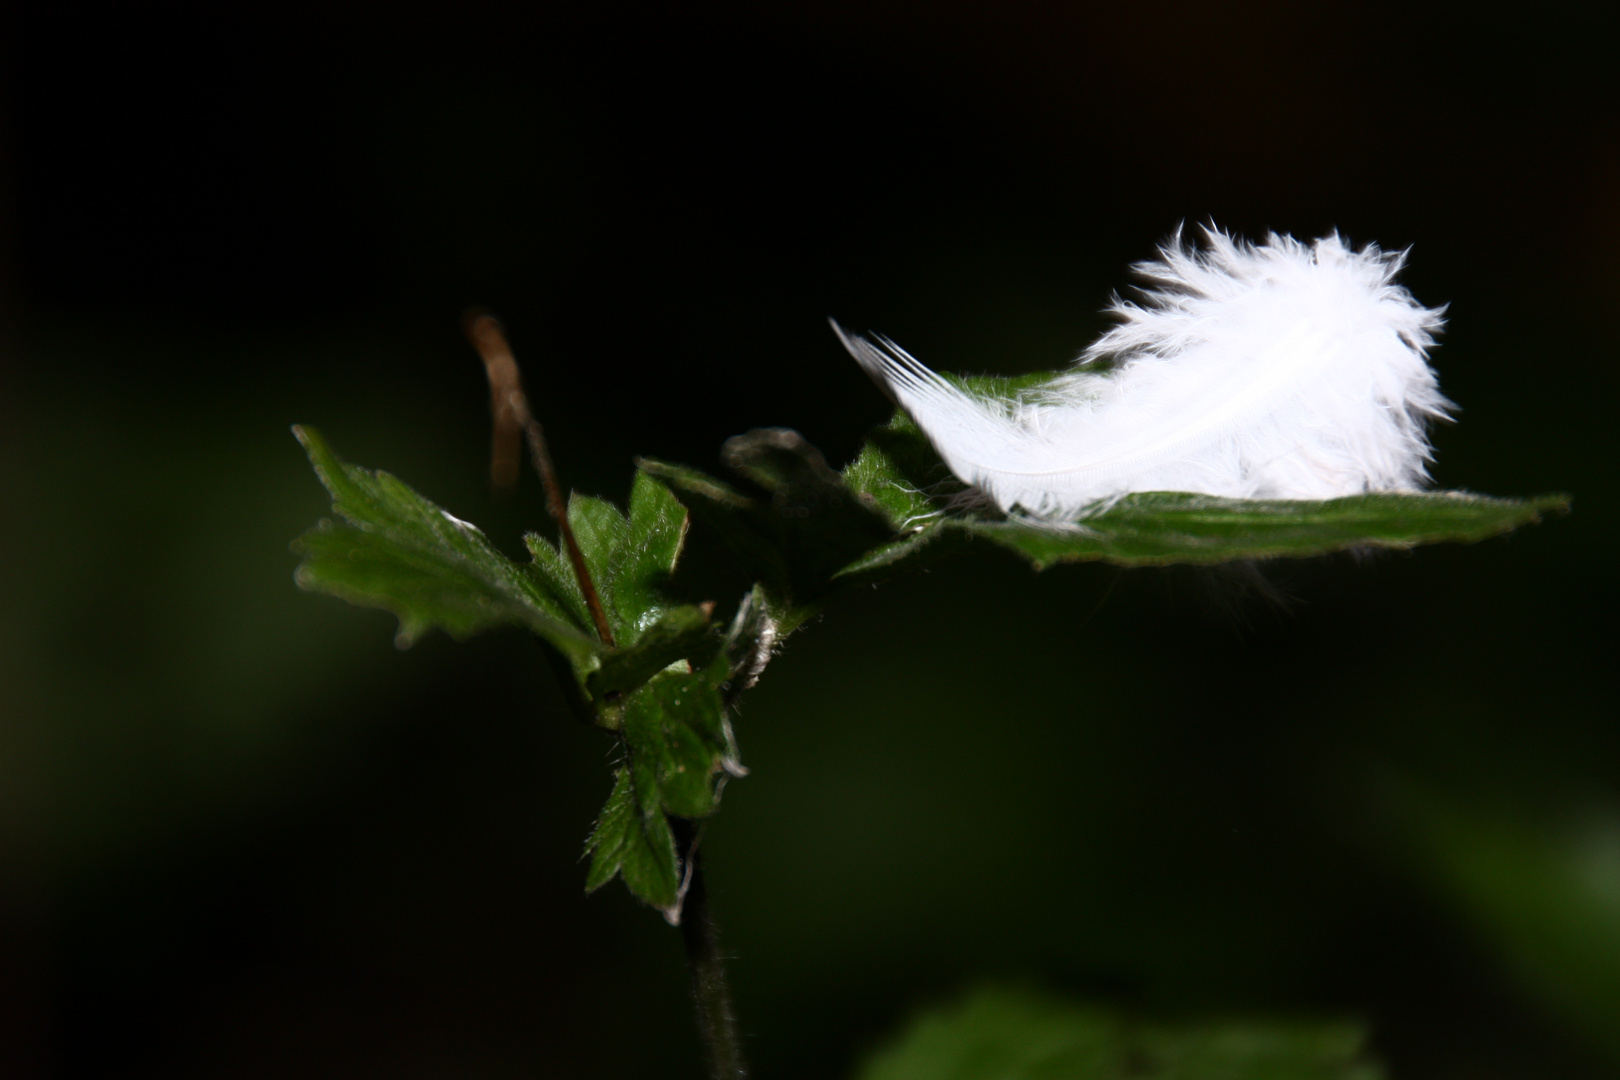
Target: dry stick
{"type": "Point", "coordinates": [511, 412]}
{"type": "Point", "coordinates": [507, 405]}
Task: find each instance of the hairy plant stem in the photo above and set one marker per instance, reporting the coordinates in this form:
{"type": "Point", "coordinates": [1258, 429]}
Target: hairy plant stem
{"type": "Point", "coordinates": [717, 1020]}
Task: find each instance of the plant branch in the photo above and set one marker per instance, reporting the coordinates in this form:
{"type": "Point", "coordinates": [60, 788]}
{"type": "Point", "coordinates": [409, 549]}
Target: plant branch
{"type": "Point", "coordinates": [717, 1019]}
{"type": "Point", "coordinates": [510, 409]}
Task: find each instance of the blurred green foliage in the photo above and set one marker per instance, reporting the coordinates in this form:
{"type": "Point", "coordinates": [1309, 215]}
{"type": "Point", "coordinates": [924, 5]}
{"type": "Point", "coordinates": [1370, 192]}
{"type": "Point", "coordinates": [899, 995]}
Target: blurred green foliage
{"type": "Point", "coordinates": [1011, 1034]}
{"type": "Point", "coordinates": [1544, 895]}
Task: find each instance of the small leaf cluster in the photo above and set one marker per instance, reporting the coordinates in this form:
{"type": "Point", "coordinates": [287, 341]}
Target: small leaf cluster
{"type": "Point", "coordinates": [659, 684]}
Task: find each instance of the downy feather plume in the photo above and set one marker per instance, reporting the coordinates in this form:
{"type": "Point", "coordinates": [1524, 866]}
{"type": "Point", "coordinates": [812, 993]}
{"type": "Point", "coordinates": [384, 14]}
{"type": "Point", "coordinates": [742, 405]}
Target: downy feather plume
{"type": "Point", "coordinates": [1273, 370]}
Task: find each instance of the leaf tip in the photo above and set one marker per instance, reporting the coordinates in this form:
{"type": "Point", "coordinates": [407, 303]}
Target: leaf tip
{"type": "Point", "coordinates": [310, 440]}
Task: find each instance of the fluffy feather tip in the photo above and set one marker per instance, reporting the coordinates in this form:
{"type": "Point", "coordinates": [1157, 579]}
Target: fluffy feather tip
{"type": "Point", "coordinates": [1275, 370]}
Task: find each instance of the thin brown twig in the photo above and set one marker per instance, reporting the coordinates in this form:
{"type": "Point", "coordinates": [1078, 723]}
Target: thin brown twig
{"type": "Point", "coordinates": [510, 409]}
{"type": "Point", "coordinates": [507, 405]}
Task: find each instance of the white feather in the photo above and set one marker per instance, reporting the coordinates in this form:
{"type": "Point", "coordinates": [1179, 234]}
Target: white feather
{"type": "Point", "coordinates": [1273, 370]}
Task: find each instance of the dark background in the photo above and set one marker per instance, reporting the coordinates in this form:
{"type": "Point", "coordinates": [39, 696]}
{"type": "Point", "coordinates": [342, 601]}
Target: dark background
{"type": "Point", "coordinates": [242, 836]}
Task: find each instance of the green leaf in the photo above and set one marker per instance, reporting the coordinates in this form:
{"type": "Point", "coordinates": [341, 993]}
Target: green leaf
{"type": "Point", "coordinates": [1158, 528]}
{"type": "Point", "coordinates": [649, 553]}
{"type": "Point", "coordinates": [395, 550]}
{"type": "Point", "coordinates": [632, 838]}
{"type": "Point", "coordinates": [741, 523]}
{"type": "Point", "coordinates": [677, 726]}
{"type": "Point", "coordinates": [899, 472]}
{"type": "Point", "coordinates": [820, 523]}
{"type": "Point", "coordinates": [630, 558]}
{"type": "Point", "coordinates": [1013, 1034]}
{"type": "Point", "coordinates": [680, 751]}
{"type": "Point", "coordinates": [682, 633]}
{"type": "Point", "coordinates": [810, 525]}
